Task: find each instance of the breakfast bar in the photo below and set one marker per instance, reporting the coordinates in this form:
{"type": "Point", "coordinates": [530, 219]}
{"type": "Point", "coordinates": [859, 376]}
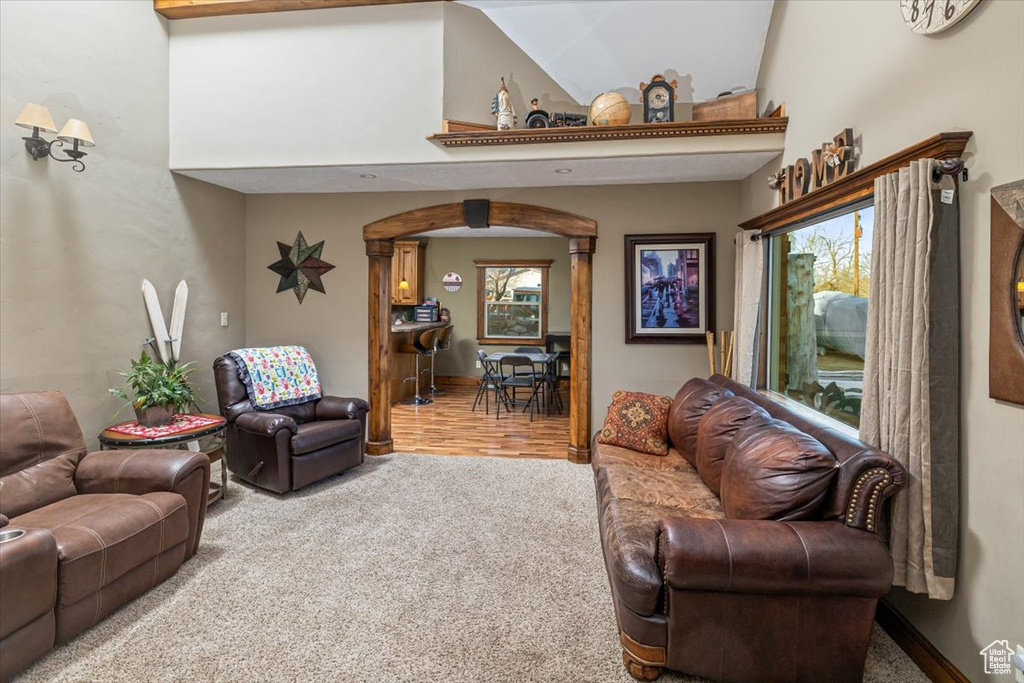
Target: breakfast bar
{"type": "Point", "coordinates": [404, 364]}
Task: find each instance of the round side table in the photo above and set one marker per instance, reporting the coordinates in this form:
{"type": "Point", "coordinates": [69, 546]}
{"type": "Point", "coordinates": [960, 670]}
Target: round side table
{"type": "Point", "coordinates": [215, 448]}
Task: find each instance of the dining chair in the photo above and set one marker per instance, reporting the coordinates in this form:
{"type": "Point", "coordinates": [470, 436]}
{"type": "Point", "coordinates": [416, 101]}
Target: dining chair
{"type": "Point", "coordinates": [517, 372]}
{"type": "Point", "coordinates": [490, 380]}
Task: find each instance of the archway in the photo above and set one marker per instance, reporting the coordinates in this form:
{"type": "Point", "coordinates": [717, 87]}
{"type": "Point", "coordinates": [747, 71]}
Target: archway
{"type": "Point", "coordinates": [380, 236]}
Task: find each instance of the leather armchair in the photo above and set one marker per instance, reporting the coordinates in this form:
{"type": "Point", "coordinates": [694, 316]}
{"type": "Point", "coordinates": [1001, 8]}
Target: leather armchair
{"type": "Point", "coordinates": [288, 448]}
{"type": "Point", "coordinates": [110, 525]}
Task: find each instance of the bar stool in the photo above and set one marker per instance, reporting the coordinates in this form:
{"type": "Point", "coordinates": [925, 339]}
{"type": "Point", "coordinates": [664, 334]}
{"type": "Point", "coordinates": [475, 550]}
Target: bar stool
{"type": "Point", "coordinates": [442, 343]}
{"type": "Point", "coordinates": [421, 346]}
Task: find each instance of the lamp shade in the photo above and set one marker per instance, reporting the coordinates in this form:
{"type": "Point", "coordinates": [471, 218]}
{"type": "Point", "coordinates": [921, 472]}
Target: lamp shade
{"type": "Point", "coordinates": [403, 284]}
{"type": "Point", "coordinates": [75, 129]}
{"type": "Point", "coordinates": [36, 116]}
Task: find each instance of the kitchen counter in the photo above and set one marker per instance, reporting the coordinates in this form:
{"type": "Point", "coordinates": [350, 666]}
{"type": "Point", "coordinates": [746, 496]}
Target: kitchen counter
{"type": "Point", "coordinates": [415, 327]}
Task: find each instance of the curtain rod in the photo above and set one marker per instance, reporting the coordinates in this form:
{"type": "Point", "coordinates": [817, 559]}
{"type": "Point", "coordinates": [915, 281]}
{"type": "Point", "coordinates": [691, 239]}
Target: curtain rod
{"type": "Point", "coordinates": [949, 167]}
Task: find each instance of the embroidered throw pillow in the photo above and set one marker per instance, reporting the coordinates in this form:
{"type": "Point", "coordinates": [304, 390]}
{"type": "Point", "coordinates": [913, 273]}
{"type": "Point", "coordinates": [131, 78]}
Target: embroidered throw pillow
{"type": "Point", "coordinates": [637, 421]}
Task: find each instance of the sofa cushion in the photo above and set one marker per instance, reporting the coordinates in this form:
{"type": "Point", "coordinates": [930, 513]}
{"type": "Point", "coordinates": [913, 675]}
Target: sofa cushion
{"type": "Point", "coordinates": [774, 471]}
{"type": "Point", "coordinates": [603, 454]}
{"type": "Point", "coordinates": [40, 446]}
{"type": "Point", "coordinates": [102, 536]}
{"type": "Point", "coordinates": [691, 402]}
{"type": "Point", "coordinates": [633, 501]}
{"type": "Point", "coordinates": [716, 431]}
{"type": "Point", "coordinates": [312, 436]}
{"type": "Point", "coordinates": [637, 421]}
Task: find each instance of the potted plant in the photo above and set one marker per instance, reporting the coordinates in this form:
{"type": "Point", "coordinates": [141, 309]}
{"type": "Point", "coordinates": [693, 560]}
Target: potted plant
{"type": "Point", "coordinates": [160, 390]}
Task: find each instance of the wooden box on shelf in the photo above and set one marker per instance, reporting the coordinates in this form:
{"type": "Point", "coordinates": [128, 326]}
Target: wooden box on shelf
{"type": "Point", "coordinates": [408, 264]}
{"type": "Point", "coordinates": [727, 108]}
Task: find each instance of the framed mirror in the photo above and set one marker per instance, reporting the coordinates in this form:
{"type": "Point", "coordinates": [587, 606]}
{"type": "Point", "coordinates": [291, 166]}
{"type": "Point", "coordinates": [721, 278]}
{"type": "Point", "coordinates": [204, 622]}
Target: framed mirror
{"type": "Point", "coordinates": [1006, 294]}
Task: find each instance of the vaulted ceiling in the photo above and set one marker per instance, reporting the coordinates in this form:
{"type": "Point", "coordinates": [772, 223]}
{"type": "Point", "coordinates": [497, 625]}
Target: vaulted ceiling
{"type": "Point", "coordinates": [593, 46]}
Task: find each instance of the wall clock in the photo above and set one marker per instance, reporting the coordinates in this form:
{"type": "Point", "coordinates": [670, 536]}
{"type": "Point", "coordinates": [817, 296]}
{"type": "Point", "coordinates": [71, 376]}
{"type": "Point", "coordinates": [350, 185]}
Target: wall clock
{"type": "Point", "coordinates": [659, 99]}
{"type": "Point", "coordinates": [934, 16]}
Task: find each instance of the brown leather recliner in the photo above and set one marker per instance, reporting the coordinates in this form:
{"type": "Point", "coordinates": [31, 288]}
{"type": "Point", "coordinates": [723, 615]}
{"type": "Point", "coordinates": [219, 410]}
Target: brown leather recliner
{"type": "Point", "coordinates": [751, 552]}
{"type": "Point", "coordinates": [287, 448]}
{"type": "Point", "coordinates": [100, 529]}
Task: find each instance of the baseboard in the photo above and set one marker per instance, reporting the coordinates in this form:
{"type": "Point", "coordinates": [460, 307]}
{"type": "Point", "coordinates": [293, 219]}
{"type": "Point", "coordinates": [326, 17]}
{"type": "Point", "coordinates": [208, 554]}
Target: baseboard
{"type": "Point", "coordinates": [932, 662]}
{"type": "Point", "coordinates": [455, 380]}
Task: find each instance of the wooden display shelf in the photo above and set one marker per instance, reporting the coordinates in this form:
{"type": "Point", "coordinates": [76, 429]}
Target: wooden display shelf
{"type": "Point", "coordinates": [463, 134]}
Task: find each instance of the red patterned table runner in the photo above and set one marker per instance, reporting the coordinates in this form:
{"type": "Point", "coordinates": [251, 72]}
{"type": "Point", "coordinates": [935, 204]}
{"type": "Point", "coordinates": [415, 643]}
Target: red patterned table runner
{"type": "Point", "coordinates": [180, 423]}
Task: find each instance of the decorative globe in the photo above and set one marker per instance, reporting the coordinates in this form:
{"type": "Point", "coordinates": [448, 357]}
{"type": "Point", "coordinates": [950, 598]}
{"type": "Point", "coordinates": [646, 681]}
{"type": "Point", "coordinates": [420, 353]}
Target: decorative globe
{"type": "Point", "coordinates": [609, 109]}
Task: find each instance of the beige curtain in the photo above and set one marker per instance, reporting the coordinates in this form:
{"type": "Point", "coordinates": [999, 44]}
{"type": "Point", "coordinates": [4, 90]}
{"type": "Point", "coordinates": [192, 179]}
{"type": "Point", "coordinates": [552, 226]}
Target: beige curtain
{"type": "Point", "coordinates": [911, 372]}
{"type": "Point", "coordinates": [747, 313]}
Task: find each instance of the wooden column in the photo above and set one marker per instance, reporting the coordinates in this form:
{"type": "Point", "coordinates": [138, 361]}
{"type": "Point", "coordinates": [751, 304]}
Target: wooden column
{"type": "Point", "coordinates": [378, 441]}
{"type": "Point", "coordinates": [581, 250]}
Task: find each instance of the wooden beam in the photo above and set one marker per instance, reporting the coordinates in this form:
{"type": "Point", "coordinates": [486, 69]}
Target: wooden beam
{"type": "Point", "coordinates": [193, 9]}
{"type": "Point", "coordinates": [461, 134]}
{"type": "Point", "coordinates": [859, 184]}
{"type": "Point", "coordinates": [508, 214]}
{"type": "Point", "coordinates": [581, 254]}
{"type": "Point", "coordinates": [378, 441]}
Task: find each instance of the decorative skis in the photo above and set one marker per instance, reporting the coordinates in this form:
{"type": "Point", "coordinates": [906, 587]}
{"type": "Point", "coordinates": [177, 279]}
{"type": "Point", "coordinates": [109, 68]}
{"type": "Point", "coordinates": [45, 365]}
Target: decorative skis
{"type": "Point", "coordinates": [167, 342]}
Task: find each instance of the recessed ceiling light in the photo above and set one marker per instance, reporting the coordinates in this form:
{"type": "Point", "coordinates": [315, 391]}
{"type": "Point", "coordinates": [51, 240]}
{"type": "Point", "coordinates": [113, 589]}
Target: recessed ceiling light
{"type": "Point", "coordinates": [563, 170]}
{"type": "Point", "coordinates": [368, 176]}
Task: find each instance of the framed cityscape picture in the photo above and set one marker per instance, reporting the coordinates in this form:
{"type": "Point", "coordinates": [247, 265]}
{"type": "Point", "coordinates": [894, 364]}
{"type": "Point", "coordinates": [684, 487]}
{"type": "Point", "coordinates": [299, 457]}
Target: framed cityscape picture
{"type": "Point", "coordinates": [670, 288]}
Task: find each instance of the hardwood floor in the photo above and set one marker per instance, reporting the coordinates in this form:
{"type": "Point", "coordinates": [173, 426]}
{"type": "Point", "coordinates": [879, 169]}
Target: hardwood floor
{"type": "Point", "coordinates": [448, 426]}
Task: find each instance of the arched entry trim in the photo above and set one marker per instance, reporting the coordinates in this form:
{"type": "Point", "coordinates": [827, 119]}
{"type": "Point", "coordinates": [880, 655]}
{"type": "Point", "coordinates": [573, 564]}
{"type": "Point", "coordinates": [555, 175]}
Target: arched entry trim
{"type": "Point", "coordinates": [379, 237]}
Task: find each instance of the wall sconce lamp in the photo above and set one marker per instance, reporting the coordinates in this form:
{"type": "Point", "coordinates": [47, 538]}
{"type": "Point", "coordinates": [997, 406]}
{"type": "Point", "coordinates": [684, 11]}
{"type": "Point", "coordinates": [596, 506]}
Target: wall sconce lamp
{"type": "Point", "coordinates": [37, 118]}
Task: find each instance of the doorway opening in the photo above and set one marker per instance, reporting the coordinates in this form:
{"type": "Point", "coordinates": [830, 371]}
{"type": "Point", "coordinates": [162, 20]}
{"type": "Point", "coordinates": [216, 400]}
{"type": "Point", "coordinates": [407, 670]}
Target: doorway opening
{"type": "Point", "coordinates": [380, 237]}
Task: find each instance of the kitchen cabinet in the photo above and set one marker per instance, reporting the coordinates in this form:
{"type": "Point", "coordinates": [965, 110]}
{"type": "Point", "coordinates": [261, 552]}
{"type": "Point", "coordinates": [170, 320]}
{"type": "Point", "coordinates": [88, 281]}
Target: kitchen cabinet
{"type": "Point", "coordinates": [408, 263]}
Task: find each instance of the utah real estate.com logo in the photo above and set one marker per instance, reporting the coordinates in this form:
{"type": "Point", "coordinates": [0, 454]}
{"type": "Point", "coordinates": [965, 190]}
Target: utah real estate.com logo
{"type": "Point", "coordinates": [998, 657]}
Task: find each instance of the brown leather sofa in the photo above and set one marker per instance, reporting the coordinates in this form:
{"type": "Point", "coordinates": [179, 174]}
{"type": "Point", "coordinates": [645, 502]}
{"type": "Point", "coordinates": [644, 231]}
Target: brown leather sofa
{"type": "Point", "coordinates": [291, 447]}
{"type": "Point", "coordinates": [751, 551]}
{"type": "Point", "coordinates": [100, 529]}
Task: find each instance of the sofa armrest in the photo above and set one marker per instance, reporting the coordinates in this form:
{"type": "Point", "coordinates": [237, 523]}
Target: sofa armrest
{"type": "Point", "coordinates": [334, 408]}
{"type": "Point", "coordinates": [265, 424]}
{"type": "Point", "coordinates": [862, 485]}
{"type": "Point", "coordinates": [186, 473]}
{"type": "Point", "coordinates": [137, 471]}
{"type": "Point", "coordinates": [768, 557]}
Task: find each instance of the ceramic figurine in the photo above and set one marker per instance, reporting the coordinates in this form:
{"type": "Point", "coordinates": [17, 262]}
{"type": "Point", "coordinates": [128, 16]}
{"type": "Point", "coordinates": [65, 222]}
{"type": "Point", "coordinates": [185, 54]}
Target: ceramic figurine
{"type": "Point", "coordinates": [502, 108]}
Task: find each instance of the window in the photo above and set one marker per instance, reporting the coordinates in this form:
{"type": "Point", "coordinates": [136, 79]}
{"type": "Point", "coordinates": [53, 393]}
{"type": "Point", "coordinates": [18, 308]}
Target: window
{"type": "Point", "coordinates": [512, 306]}
{"type": "Point", "coordinates": [819, 285]}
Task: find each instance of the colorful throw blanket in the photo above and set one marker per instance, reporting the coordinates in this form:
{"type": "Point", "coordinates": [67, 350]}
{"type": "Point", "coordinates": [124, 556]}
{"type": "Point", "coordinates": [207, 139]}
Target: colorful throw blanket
{"type": "Point", "coordinates": [277, 376]}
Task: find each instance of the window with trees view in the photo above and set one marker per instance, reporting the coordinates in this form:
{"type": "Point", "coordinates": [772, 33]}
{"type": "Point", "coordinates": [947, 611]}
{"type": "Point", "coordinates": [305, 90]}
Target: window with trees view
{"type": "Point", "coordinates": [820, 282]}
{"type": "Point", "coordinates": [512, 301]}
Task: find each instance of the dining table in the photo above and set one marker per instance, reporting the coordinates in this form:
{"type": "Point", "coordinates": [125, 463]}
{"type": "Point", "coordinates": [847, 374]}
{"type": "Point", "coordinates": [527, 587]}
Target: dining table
{"type": "Point", "coordinates": [542, 359]}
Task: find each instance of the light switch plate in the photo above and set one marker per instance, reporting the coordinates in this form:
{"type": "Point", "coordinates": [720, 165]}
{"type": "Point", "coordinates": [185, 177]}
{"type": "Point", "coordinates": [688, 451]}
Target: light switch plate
{"type": "Point", "coordinates": [224, 319]}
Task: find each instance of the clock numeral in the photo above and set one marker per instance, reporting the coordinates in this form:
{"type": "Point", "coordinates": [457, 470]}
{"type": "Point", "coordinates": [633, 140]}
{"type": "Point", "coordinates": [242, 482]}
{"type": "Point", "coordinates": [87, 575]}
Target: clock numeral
{"type": "Point", "coordinates": [950, 10]}
{"type": "Point", "coordinates": [930, 7]}
{"type": "Point", "coordinates": [914, 11]}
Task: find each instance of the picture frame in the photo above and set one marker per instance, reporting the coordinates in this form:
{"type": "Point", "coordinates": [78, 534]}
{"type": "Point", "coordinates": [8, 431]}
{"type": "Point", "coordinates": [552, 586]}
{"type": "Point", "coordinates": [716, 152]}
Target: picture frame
{"type": "Point", "coordinates": [670, 287]}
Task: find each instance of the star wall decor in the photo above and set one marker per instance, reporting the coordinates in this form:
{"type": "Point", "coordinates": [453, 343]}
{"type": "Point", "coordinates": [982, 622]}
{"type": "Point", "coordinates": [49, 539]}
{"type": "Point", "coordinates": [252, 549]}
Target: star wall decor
{"type": "Point", "coordinates": [300, 267]}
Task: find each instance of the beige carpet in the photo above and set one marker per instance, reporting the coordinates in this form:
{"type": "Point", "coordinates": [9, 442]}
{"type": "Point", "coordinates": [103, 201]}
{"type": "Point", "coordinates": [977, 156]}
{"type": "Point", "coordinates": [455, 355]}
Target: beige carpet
{"type": "Point", "coordinates": [409, 568]}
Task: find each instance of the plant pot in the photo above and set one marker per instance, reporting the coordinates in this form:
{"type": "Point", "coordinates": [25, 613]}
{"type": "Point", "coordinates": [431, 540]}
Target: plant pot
{"type": "Point", "coordinates": [154, 416]}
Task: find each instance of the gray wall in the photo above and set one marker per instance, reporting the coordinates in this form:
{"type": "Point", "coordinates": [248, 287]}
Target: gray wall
{"type": "Point", "coordinates": [895, 89]}
{"type": "Point", "coordinates": [76, 246]}
{"type": "Point", "coordinates": [457, 253]}
{"type": "Point", "coordinates": [333, 326]}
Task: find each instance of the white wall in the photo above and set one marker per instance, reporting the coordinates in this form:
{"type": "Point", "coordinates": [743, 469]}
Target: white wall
{"type": "Point", "coordinates": [476, 55]}
{"type": "Point", "coordinates": [74, 247]}
{"type": "Point", "coordinates": [895, 88]}
{"type": "Point", "coordinates": [333, 326]}
{"type": "Point", "coordinates": [352, 85]}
